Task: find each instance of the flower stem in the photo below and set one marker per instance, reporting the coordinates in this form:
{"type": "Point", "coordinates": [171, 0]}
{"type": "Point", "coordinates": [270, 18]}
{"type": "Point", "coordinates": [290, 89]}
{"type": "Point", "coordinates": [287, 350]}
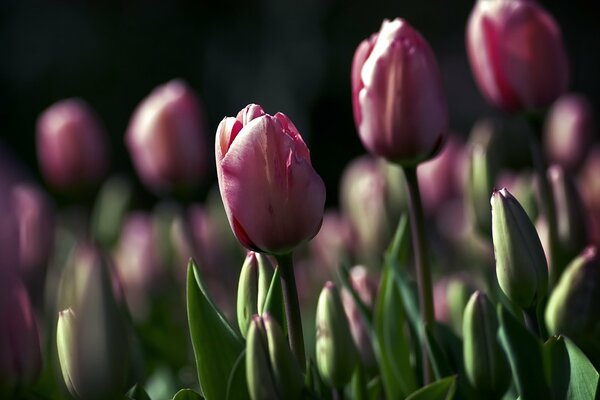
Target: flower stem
{"type": "Point", "coordinates": [422, 263]}
{"type": "Point", "coordinates": [292, 307]}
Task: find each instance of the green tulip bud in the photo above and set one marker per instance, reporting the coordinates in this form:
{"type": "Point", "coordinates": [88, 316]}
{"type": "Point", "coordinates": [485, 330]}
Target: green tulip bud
{"type": "Point", "coordinates": [570, 219]}
{"type": "Point", "coordinates": [573, 306]}
{"type": "Point", "coordinates": [92, 335]}
{"type": "Point", "coordinates": [485, 363]}
{"type": "Point", "coordinates": [272, 371]}
{"type": "Point", "coordinates": [521, 265]}
{"type": "Point", "coordinates": [335, 352]}
{"type": "Point", "coordinates": [253, 286]}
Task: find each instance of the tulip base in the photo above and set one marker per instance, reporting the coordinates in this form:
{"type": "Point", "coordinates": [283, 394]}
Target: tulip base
{"type": "Point", "coordinates": [423, 270]}
{"type": "Point", "coordinates": [292, 306]}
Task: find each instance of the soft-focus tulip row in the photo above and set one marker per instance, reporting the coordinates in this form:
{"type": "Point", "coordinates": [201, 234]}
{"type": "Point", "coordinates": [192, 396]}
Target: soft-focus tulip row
{"type": "Point", "coordinates": [453, 267]}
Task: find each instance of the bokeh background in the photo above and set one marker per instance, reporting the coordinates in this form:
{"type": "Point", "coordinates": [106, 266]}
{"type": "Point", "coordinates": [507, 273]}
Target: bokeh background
{"type": "Point", "coordinates": [292, 57]}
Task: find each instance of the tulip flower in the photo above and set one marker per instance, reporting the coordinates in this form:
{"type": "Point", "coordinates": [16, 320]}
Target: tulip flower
{"type": "Point", "coordinates": [20, 354]}
{"type": "Point", "coordinates": [569, 130]}
{"type": "Point", "coordinates": [273, 197]}
{"type": "Point", "coordinates": [517, 54]}
{"type": "Point", "coordinates": [166, 138]}
{"type": "Point", "coordinates": [72, 146]}
{"type": "Point", "coordinates": [399, 103]}
{"type": "Point", "coordinates": [521, 265]}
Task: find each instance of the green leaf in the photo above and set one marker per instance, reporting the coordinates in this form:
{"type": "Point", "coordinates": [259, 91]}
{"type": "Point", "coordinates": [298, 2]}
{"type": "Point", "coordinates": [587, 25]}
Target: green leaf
{"type": "Point", "coordinates": [274, 301]}
{"type": "Point", "coordinates": [524, 354]}
{"type": "Point", "coordinates": [358, 385]}
{"type": "Point", "coordinates": [439, 390]}
{"type": "Point", "coordinates": [237, 387]}
{"type": "Point", "coordinates": [572, 374]}
{"type": "Point", "coordinates": [187, 394]}
{"type": "Point", "coordinates": [137, 393]}
{"type": "Point", "coordinates": [439, 360]}
{"type": "Point", "coordinates": [110, 208]}
{"type": "Point", "coordinates": [216, 345]}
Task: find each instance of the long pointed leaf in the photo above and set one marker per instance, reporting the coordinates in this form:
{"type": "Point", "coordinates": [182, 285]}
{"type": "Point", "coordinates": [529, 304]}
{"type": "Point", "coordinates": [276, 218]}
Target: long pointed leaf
{"type": "Point", "coordinates": [439, 390]}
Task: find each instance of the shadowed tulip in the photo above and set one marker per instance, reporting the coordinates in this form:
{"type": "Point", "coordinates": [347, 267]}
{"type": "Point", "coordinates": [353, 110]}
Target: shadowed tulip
{"type": "Point", "coordinates": [72, 146]}
{"type": "Point", "coordinates": [166, 138]}
{"type": "Point", "coordinates": [517, 54]}
{"type": "Point", "coordinates": [273, 197]}
{"type": "Point", "coordinates": [400, 109]}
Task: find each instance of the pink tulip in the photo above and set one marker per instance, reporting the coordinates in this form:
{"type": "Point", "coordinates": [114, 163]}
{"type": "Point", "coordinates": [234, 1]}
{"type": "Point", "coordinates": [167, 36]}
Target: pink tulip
{"type": "Point", "coordinates": [20, 354]}
{"type": "Point", "coordinates": [400, 108]}
{"type": "Point", "coordinates": [273, 197]}
{"type": "Point", "coordinates": [517, 54]}
{"type": "Point", "coordinates": [72, 146]}
{"type": "Point", "coordinates": [569, 131]}
{"type": "Point", "coordinates": [166, 137]}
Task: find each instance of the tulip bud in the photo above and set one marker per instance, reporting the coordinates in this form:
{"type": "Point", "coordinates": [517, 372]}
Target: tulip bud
{"type": "Point", "coordinates": [273, 197]}
{"type": "Point", "coordinates": [569, 131]}
{"type": "Point", "coordinates": [335, 351]}
{"type": "Point", "coordinates": [523, 188]}
{"type": "Point", "coordinates": [390, 70]}
{"type": "Point", "coordinates": [573, 306]}
{"type": "Point", "coordinates": [255, 279]}
{"type": "Point", "coordinates": [521, 265]}
{"type": "Point", "coordinates": [72, 146]}
{"type": "Point", "coordinates": [570, 218]}
{"type": "Point", "coordinates": [366, 288]}
{"type": "Point", "coordinates": [517, 54]}
{"type": "Point", "coordinates": [166, 138]}
{"type": "Point", "coordinates": [92, 336]}
{"type": "Point", "coordinates": [485, 363]}
{"type": "Point", "coordinates": [272, 371]}
{"type": "Point", "coordinates": [20, 354]}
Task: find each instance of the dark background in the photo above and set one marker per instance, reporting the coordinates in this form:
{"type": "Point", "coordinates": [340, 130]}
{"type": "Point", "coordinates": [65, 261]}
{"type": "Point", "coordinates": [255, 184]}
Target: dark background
{"type": "Point", "coordinates": [292, 57]}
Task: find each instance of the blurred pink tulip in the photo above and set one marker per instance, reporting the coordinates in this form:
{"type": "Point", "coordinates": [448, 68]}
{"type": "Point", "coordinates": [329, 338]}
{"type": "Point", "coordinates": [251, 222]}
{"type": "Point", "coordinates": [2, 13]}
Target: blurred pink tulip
{"type": "Point", "coordinates": [400, 109]}
{"type": "Point", "coordinates": [332, 244]}
{"type": "Point", "coordinates": [20, 354]}
{"type": "Point", "coordinates": [273, 197]}
{"type": "Point", "coordinates": [72, 146]}
{"type": "Point", "coordinates": [517, 54]}
{"type": "Point", "coordinates": [166, 138]}
{"type": "Point", "coordinates": [569, 131]}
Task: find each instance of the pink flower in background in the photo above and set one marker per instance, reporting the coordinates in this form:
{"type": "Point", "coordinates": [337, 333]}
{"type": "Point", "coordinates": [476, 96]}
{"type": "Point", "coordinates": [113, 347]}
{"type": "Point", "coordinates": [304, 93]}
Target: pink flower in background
{"type": "Point", "coordinates": [72, 146]}
{"type": "Point", "coordinates": [517, 54]}
{"type": "Point", "coordinates": [166, 138]}
{"type": "Point", "coordinates": [400, 108]}
{"type": "Point", "coordinates": [273, 197]}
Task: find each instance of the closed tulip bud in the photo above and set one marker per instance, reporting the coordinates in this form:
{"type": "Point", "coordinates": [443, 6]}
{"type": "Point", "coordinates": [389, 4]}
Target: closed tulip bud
{"type": "Point", "coordinates": [166, 138]}
{"type": "Point", "coordinates": [272, 371]}
{"type": "Point", "coordinates": [569, 131]}
{"type": "Point", "coordinates": [72, 146]}
{"type": "Point", "coordinates": [255, 279]}
{"type": "Point", "coordinates": [20, 355]}
{"type": "Point", "coordinates": [273, 197]}
{"type": "Point", "coordinates": [570, 218]}
{"type": "Point", "coordinates": [485, 363]}
{"type": "Point", "coordinates": [400, 109]}
{"type": "Point", "coordinates": [521, 265]}
{"type": "Point", "coordinates": [335, 350]}
{"type": "Point", "coordinates": [573, 306]}
{"type": "Point", "coordinates": [92, 335]}
{"type": "Point", "coordinates": [517, 54]}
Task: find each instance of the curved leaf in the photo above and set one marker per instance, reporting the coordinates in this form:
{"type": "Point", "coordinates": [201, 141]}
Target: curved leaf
{"type": "Point", "coordinates": [439, 390]}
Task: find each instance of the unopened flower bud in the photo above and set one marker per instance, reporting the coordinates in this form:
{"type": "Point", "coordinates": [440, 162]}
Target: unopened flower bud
{"type": "Point", "coordinates": [72, 145]}
{"type": "Point", "coordinates": [485, 363]}
{"type": "Point", "coordinates": [335, 351]}
{"type": "Point", "coordinates": [255, 278]}
{"type": "Point", "coordinates": [521, 265]}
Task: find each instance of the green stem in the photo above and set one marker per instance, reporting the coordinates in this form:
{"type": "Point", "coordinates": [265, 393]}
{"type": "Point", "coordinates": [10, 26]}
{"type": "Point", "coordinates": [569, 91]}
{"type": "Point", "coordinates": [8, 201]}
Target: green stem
{"type": "Point", "coordinates": [422, 262]}
{"type": "Point", "coordinates": [292, 306]}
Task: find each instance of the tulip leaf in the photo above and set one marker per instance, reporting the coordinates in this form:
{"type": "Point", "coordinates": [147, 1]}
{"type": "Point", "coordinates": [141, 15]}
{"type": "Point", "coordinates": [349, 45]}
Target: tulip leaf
{"type": "Point", "coordinates": [110, 208]}
{"type": "Point", "coordinates": [524, 355]}
{"type": "Point", "coordinates": [137, 392]}
{"type": "Point", "coordinates": [572, 374]}
{"type": "Point", "coordinates": [187, 394]}
{"type": "Point", "coordinates": [442, 389]}
{"type": "Point", "coordinates": [358, 385]}
{"type": "Point", "coordinates": [274, 301]}
{"type": "Point", "coordinates": [437, 355]}
{"type": "Point", "coordinates": [237, 386]}
{"type": "Point", "coordinates": [216, 345]}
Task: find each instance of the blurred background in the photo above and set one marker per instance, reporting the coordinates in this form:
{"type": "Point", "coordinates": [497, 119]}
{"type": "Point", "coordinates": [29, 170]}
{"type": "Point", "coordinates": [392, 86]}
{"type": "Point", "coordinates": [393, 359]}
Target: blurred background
{"type": "Point", "coordinates": [292, 57]}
